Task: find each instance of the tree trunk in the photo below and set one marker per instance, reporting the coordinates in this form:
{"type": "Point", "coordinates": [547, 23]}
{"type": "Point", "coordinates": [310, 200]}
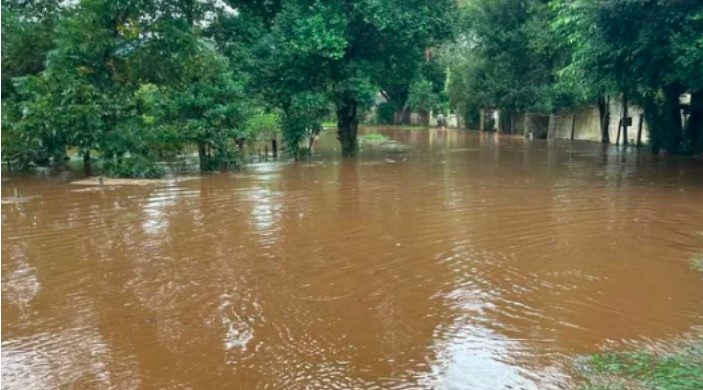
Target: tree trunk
{"type": "Point", "coordinates": [348, 125]}
{"type": "Point", "coordinates": [402, 116]}
{"type": "Point", "coordinates": [694, 127]}
{"type": "Point", "coordinates": [604, 113]}
{"type": "Point", "coordinates": [86, 162]}
{"type": "Point", "coordinates": [673, 132]}
{"type": "Point", "coordinates": [202, 155]}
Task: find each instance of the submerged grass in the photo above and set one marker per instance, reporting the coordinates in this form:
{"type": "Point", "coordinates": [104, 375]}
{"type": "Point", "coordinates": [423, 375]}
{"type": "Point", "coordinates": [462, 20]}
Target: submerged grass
{"type": "Point", "coordinates": [635, 370]}
{"type": "Point", "coordinates": [697, 263]}
{"type": "Point", "coordinates": [679, 368]}
{"type": "Point", "coordinates": [373, 138]}
{"type": "Point", "coordinates": [399, 127]}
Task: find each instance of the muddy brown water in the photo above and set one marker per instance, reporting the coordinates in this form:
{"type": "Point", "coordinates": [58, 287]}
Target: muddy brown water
{"type": "Point", "coordinates": [465, 262]}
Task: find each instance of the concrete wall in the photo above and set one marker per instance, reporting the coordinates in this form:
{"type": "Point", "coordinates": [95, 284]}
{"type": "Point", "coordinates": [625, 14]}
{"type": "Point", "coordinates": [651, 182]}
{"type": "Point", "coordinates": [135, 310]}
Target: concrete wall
{"type": "Point", "coordinates": [519, 124]}
{"type": "Point", "coordinates": [587, 124]}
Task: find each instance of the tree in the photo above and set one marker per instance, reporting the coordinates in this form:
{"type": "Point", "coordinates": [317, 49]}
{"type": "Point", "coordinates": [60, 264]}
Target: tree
{"type": "Point", "coordinates": [341, 51]}
{"type": "Point", "coordinates": [505, 58]}
{"type": "Point", "coordinates": [27, 37]}
{"type": "Point", "coordinates": [644, 49]}
{"type": "Point", "coordinates": [130, 78]}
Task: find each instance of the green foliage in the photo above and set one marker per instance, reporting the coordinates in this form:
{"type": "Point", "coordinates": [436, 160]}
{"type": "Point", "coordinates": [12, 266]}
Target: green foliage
{"type": "Point", "coordinates": [136, 167]}
{"type": "Point", "coordinates": [545, 55]}
{"type": "Point", "coordinates": [697, 263]}
{"type": "Point", "coordinates": [682, 370]}
{"type": "Point", "coordinates": [373, 138]}
{"type": "Point", "coordinates": [262, 125]}
{"type": "Point", "coordinates": [27, 36]}
{"type": "Point", "coordinates": [422, 97]}
{"type": "Point", "coordinates": [344, 53]}
{"type": "Point", "coordinates": [120, 80]}
{"type": "Point", "coordinates": [643, 48]}
{"type": "Point", "coordinates": [385, 113]}
{"type": "Point", "coordinates": [505, 58]}
{"type": "Point", "coordinates": [302, 122]}
{"type": "Point", "coordinates": [147, 77]}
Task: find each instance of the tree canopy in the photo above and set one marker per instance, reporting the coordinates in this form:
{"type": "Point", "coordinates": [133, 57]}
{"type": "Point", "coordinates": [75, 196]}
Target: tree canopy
{"type": "Point", "coordinates": [137, 81]}
{"type": "Point", "coordinates": [544, 55]}
{"type": "Point", "coordinates": [147, 78]}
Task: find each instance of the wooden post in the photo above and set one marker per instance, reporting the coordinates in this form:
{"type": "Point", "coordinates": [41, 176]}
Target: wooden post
{"type": "Point", "coordinates": [617, 138]}
{"type": "Point", "coordinates": [274, 148]}
{"type": "Point", "coordinates": [266, 152]}
{"type": "Point", "coordinates": [573, 126]}
{"type": "Point", "coordinates": [639, 130]}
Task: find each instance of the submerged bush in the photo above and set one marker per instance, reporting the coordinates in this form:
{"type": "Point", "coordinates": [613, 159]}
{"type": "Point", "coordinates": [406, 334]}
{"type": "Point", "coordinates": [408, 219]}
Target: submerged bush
{"type": "Point", "coordinates": [136, 167]}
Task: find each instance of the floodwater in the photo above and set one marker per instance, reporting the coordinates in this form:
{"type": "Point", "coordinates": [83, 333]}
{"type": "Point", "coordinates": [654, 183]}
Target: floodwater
{"type": "Point", "coordinates": [467, 261]}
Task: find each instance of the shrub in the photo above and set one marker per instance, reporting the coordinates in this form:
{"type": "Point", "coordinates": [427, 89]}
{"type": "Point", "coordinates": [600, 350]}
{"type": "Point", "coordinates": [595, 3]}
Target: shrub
{"type": "Point", "coordinates": [135, 167]}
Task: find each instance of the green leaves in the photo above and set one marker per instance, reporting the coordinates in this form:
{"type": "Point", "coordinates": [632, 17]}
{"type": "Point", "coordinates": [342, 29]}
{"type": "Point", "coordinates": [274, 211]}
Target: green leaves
{"type": "Point", "coordinates": [146, 77]}
{"type": "Point", "coordinates": [640, 369]}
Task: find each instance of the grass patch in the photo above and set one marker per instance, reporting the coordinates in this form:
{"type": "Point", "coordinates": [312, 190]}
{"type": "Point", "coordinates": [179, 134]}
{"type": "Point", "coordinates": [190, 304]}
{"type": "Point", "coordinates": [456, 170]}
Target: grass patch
{"type": "Point", "coordinates": [697, 263]}
{"type": "Point", "coordinates": [410, 128]}
{"type": "Point", "coordinates": [635, 370]}
{"type": "Point", "coordinates": [373, 138]}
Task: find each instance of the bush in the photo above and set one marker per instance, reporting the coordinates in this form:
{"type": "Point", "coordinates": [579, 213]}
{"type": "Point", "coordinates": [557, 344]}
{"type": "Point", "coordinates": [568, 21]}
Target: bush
{"type": "Point", "coordinates": [262, 126]}
{"type": "Point", "coordinates": [136, 167]}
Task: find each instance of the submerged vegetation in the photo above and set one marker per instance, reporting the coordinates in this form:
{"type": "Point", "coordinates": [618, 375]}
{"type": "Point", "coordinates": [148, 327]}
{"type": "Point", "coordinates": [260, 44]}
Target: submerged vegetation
{"type": "Point", "coordinates": [135, 82]}
{"type": "Point", "coordinates": [634, 370]}
{"type": "Point", "coordinates": [150, 79]}
{"type": "Point", "coordinates": [697, 263]}
{"type": "Point", "coordinates": [137, 167]}
{"type": "Point", "coordinates": [678, 367]}
{"type": "Point", "coordinates": [546, 55]}
{"type": "Point", "coordinates": [373, 138]}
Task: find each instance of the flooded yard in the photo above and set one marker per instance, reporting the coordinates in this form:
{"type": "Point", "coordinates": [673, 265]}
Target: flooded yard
{"type": "Point", "coordinates": [458, 261]}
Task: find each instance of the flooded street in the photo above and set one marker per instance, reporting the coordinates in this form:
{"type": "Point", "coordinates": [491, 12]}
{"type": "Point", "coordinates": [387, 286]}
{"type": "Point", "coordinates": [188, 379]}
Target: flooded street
{"type": "Point", "coordinates": [467, 261]}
